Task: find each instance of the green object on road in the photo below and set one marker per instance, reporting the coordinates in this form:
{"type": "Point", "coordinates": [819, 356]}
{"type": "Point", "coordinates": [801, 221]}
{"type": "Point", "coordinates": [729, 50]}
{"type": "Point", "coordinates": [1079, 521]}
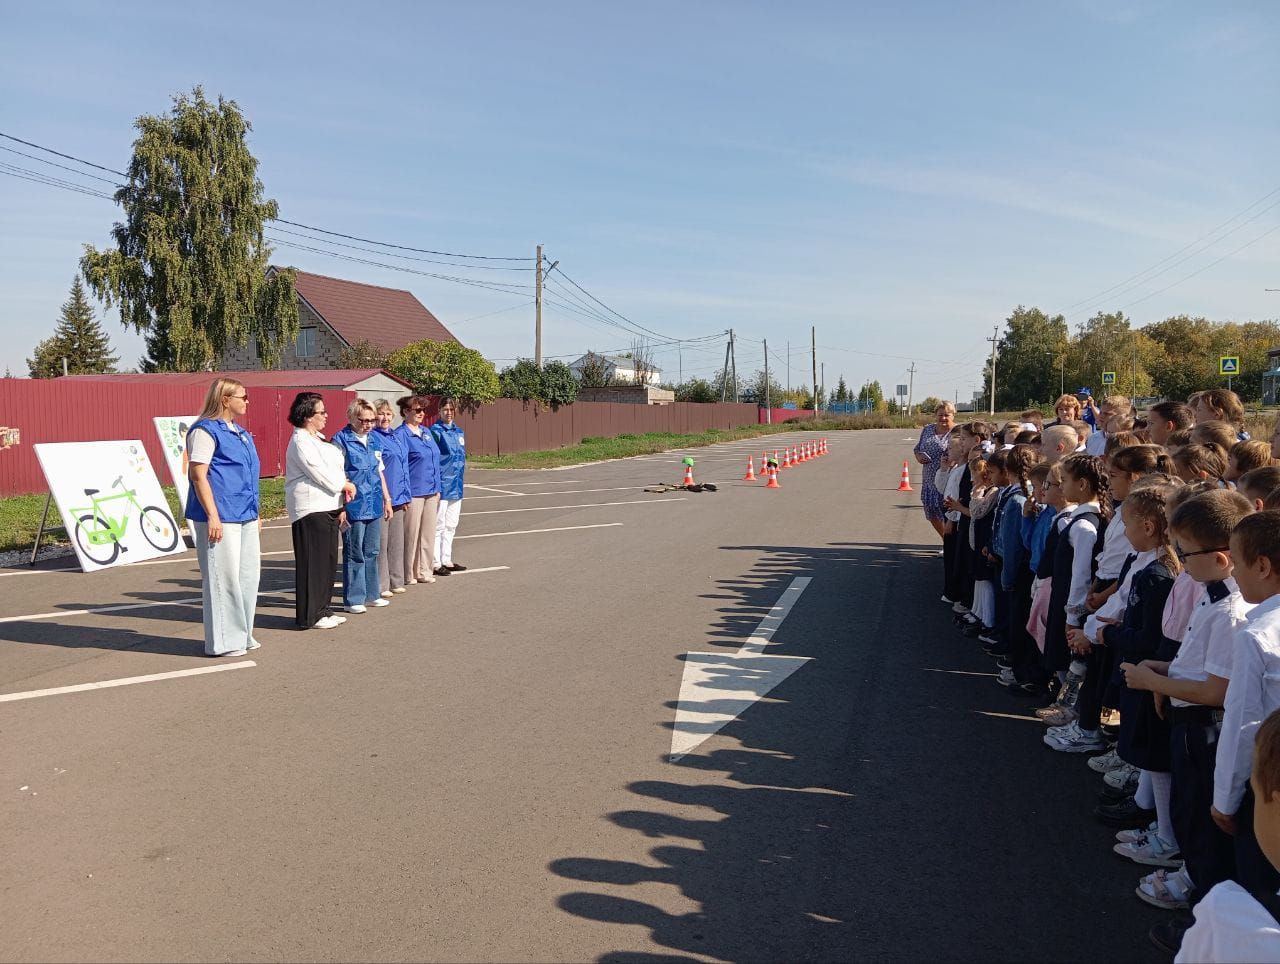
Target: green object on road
{"type": "Point", "coordinates": [687, 460]}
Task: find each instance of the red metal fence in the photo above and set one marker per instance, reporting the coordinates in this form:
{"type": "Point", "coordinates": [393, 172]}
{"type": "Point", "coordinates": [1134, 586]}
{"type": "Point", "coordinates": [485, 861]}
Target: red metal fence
{"type": "Point", "coordinates": [53, 410]}
{"type": "Point", "coordinates": [779, 415]}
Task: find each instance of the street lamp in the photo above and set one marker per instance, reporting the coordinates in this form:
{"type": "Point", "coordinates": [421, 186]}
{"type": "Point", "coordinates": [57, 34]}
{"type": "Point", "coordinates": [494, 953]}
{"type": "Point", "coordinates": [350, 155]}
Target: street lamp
{"type": "Point", "coordinates": [1062, 371]}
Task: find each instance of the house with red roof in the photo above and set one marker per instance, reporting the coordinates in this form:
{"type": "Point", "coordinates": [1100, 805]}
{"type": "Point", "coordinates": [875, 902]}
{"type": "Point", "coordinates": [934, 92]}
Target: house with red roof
{"type": "Point", "coordinates": [334, 314]}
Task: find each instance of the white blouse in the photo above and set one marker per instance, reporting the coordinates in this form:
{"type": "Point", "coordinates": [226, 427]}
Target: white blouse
{"type": "Point", "coordinates": [314, 474]}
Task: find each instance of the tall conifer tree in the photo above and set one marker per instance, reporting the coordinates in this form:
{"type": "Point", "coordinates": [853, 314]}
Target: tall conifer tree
{"type": "Point", "coordinates": [79, 339]}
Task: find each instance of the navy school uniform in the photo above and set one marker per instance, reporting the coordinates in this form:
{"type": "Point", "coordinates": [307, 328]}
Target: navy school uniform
{"type": "Point", "coordinates": [961, 572]}
{"type": "Point", "coordinates": [1057, 654]}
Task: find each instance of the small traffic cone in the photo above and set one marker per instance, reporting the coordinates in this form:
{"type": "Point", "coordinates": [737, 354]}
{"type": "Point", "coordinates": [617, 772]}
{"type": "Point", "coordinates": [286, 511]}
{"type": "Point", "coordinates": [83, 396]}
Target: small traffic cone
{"type": "Point", "coordinates": [688, 474]}
{"type": "Point", "coordinates": [823, 447]}
{"type": "Point", "coordinates": [773, 476]}
{"type": "Point", "coordinates": [800, 459]}
{"type": "Point", "coordinates": [905, 484]}
{"type": "Point", "coordinates": [751, 470]}
{"type": "Point", "coordinates": [786, 459]}
{"type": "Point", "coordinates": [808, 452]}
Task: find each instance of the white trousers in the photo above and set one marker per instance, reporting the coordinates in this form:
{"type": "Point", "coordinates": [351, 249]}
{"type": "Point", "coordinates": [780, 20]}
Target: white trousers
{"type": "Point", "coordinates": [231, 569]}
{"type": "Point", "coordinates": [446, 526]}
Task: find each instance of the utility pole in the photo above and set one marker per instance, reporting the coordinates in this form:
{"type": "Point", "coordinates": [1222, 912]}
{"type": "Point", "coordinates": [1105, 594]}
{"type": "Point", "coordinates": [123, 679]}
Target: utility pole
{"type": "Point", "coordinates": [823, 393]}
{"type": "Point", "coordinates": [680, 349]}
{"type": "Point", "coordinates": [1133, 396]}
{"type": "Point", "coordinates": [995, 332]}
{"type": "Point", "coordinates": [537, 311]}
{"type": "Point", "coordinates": [788, 368]}
{"type": "Point", "coordinates": [813, 357]}
{"type": "Point", "coordinates": [768, 411]}
{"type": "Point", "coordinates": [724, 372]}
{"type": "Point", "coordinates": [733, 362]}
{"type": "Point", "coordinates": [911, 385]}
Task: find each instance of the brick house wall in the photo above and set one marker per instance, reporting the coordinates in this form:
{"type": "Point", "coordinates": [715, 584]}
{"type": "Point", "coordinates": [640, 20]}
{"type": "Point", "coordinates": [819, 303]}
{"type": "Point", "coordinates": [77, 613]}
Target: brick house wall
{"type": "Point", "coordinates": [325, 355]}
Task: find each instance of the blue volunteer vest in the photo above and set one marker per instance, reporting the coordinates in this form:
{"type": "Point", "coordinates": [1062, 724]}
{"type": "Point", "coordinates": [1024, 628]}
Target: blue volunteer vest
{"type": "Point", "coordinates": [453, 458]}
{"type": "Point", "coordinates": [360, 459]}
{"type": "Point", "coordinates": [233, 474]}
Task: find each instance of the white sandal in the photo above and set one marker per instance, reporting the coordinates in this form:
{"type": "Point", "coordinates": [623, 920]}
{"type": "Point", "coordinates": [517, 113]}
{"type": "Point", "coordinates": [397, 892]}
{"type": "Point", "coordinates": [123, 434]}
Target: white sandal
{"type": "Point", "coordinates": [1160, 894]}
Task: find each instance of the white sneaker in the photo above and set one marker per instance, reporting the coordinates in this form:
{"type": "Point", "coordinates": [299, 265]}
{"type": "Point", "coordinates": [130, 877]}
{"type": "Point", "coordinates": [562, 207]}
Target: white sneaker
{"type": "Point", "coordinates": [235, 652]}
{"type": "Point", "coordinates": [1117, 778]}
{"type": "Point", "coordinates": [254, 644]}
{"type": "Point", "coordinates": [380, 602]}
{"type": "Point", "coordinates": [398, 590]}
{"type": "Point", "coordinates": [1150, 851]}
{"type": "Point", "coordinates": [386, 594]}
{"type": "Point", "coordinates": [1129, 836]}
{"type": "Point", "coordinates": [1075, 741]}
{"type": "Point", "coordinates": [1106, 763]}
{"type": "Point", "coordinates": [341, 619]}
{"type": "Point", "coordinates": [959, 607]}
{"type": "Point", "coordinates": [428, 579]}
{"type": "Point", "coordinates": [356, 609]}
{"type": "Point", "coordinates": [410, 582]}
{"type": "Point", "coordinates": [327, 622]}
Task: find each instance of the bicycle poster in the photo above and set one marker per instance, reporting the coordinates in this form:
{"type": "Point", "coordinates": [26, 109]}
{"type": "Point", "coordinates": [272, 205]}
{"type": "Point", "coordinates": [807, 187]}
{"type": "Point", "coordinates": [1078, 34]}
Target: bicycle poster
{"type": "Point", "coordinates": [172, 432]}
{"type": "Point", "coordinates": [110, 502]}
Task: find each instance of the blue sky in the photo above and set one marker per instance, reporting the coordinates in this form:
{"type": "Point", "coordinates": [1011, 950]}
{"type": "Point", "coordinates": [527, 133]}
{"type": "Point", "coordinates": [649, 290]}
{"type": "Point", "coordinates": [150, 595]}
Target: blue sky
{"type": "Point", "coordinates": [899, 175]}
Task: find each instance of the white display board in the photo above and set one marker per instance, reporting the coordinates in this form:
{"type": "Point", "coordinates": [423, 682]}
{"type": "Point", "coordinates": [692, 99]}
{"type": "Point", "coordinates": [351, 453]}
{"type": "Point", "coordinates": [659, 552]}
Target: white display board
{"type": "Point", "coordinates": [110, 502]}
{"type": "Point", "coordinates": [172, 432]}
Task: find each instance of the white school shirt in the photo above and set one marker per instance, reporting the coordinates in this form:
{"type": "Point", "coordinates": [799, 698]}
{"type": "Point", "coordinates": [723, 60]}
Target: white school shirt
{"type": "Point", "coordinates": [1230, 926]}
{"type": "Point", "coordinates": [1252, 695]}
{"type": "Point", "coordinates": [1116, 547]}
{"type": "Point", "coordinates": [314, 474]}
{"type": "Point", "coordinates": [1118, 601]}
{"type": "Point", "coordinates": [954, 478]}
{"type": "Point", "coordinates": [1096, 443]}
{"type": "Point", "coordinates": [1084, 538]}
{"type": "Point", "coordinates": [1209, 642]}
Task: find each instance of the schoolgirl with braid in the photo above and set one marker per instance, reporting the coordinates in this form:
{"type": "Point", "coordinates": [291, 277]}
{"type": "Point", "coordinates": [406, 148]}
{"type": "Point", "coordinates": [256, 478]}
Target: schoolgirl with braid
{"type": "Point", "coordinates": [1067, 650]}
{"type": "Point", "coordinates": [1015, 575]}
{"type": "Point", "coordinates": [1197, 463]}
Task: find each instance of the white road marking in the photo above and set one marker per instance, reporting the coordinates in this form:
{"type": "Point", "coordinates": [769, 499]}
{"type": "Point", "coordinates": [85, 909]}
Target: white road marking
{"type": "Point", "coordinates": [1009, 716]}
{"type": "Point", "coordinates": [525, 532]}
{"type": "Point", "coordinates": [472, 572]}
{"type": "Point", "coordinates": [588, 505]}
{"type": "Point", "coordinates": [532, 495]}
{"type": "Point", "coordinates": [488, 488]}
{"type": "Point", "coordinates": [100, 609]}
{"type": "Point", "coordinates": [126, 681]}
{"type": "Point", "coordinates": [732, 682]}
{"type": "Point", "coordinates": [556, 482]}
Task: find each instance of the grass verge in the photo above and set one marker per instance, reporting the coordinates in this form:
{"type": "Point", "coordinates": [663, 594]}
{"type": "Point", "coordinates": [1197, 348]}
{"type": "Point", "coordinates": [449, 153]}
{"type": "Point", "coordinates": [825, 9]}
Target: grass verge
{"type": "Point", "coordinates": [20, 515]}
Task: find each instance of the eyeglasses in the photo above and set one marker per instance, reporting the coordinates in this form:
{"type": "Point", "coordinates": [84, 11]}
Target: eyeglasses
{"type": "Point", "coordinates": [320, 411]}
{"type": "Point", "coordinates": [1184, 556]}
{"type": "Point", "coordinates": [1050, 485]}
{"type": "Point", "coordinates": [245, 397]}
{"type": "Point", "coordinates": [366, 421]}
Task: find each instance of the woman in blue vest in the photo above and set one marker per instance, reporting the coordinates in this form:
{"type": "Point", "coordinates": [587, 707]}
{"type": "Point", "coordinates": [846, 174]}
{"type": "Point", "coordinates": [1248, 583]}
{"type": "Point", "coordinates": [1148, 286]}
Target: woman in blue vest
{"type": "Point", "coordinates": [362, 515]}
{"type": "Point", "coordinates": [453, 466]}
{"type": "Point", "coordinates": [222, 507]}
{"type": "Point", "coordinates": [424, 486]}
{"type": "Point", "coordinates": [395, 469]}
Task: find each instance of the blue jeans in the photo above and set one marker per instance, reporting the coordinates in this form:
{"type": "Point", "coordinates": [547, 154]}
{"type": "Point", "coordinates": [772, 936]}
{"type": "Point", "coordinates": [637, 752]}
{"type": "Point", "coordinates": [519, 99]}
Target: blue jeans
{"type": "Point", "coordinates": [360, 544]}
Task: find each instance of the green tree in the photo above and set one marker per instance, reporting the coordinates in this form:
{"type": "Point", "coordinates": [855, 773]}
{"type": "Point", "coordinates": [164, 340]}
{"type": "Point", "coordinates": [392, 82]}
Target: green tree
{"type": "Point", "coordinates": [803, 397]}
{"type": "Point", "coordinates": [871, 392]}
{"type": "Point", "coordinates": [189, 268]}
{"type": "Point", "coordinates": [596, 371]}
{"type": "Point", "coordinates": [1029, 358]}
{"type": "Point", "coordinates": [522, 380]}
{"type": "Point", "coordinates": [929, 405]}
{"type": "Point", "coordinates": [363, 354]}
{"type": "Point", "coordinates": [842, 391]}
{"type": "Point", "coordinates": [446, 368]}
{"type": "Point", "coordinates": [78, 338]}
{"type": "Point", "coordinates": [697, 390]}
{"type": "Point", "coordinates": [559, 387]}
{"type": "Point", "coordinates": [1107, 343]}
{"type": "Point", "coordinates": [753, 389]}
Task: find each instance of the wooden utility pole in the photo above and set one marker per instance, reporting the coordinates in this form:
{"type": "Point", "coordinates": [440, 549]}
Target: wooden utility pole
{"type": "Point", "coordinates": [724, 372]}
{"type": "Point", "coordinates": [995, 332]}
{"type": "Point", "coordinates": [768, 411]}
{"type": "Point", "coordinates": [911, 385]}
{"type": "Point", "coordinates": [813, 358]}
{"type": "Point", "coordinates": [537, 311]}
{"type": "Point", "coordinates": [733, 363]}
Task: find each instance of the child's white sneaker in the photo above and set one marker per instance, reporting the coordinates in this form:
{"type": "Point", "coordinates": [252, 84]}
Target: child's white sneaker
{"type": "Point", "coordinates": [1151, 851]}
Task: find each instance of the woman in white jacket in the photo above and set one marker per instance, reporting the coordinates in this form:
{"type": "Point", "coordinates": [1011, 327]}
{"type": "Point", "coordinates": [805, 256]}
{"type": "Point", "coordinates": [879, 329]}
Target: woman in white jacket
{"type": "Point", "coordinates": [315, 485]}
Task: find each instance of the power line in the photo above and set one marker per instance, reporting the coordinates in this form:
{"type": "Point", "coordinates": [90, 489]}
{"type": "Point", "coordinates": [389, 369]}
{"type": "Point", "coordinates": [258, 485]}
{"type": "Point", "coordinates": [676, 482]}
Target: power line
{"type": "Point", "coordinates": [612, 311]}
{"type": "Point", "coordinates": [389, 254]}
{"type": "Point", "coordinates": [69, 157]}
{"type": "Point", "coordinates": [1205, 268]}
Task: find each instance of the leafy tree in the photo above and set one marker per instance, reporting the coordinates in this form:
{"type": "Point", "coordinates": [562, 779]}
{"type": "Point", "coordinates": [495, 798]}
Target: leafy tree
{"type": "Point", "coordinates": [929, 405]}
{"type": "Point", "coordinates": [78, 338]}
{"type": "Point", "coordinates": [189, 268]}
{"type": "Point", "coordinates": [522, 380]}
{"type": "Point", "coordinates": [596, 371]}
{"type": "Point", "coordinates": [559, 387]}
{"type": "Point", "coordinates": [363, 354]}
{"type": "Point", "coordinates": [1029, 358]}
{"type": "Point", "coordinates": [697, 390]}
{"type": "Point", "coordinates": [753, 389]}
{"type": "Point", "coordinates": [446, 368]}
{"type": "Point", "coordinates": [871, 392]}
{"type": "Point", "coordinates": [804, 397]}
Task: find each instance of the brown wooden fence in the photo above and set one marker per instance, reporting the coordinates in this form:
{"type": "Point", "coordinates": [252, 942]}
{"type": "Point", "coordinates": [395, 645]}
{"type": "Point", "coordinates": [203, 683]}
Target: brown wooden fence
{"type": "Point", "coordinates": [53, 410]}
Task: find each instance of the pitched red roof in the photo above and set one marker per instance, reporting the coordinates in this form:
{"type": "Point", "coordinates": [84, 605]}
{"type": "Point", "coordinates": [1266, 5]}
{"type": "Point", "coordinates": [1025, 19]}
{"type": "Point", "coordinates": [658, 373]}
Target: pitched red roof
{"type": "Point", "coordinates": [388, 317]}
{"type": "Point", "coordinates": [315, 378]}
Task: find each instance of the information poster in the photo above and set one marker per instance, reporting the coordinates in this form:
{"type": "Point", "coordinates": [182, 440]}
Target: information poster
{"type": "Point", "coordinates": [172, 431]}
{"type": "Point", "coordinates": [110, 502]}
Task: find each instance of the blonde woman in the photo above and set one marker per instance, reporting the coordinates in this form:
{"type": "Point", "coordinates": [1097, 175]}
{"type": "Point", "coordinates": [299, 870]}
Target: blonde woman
{"type": "Point", "coordinates": [222, 507]}
{"type": "Point", "coordinates": [423, 460]}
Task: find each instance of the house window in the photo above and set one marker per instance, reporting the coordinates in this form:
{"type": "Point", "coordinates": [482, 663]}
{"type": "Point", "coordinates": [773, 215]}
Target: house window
{"type": "Point", "coordinates": [306, 346]}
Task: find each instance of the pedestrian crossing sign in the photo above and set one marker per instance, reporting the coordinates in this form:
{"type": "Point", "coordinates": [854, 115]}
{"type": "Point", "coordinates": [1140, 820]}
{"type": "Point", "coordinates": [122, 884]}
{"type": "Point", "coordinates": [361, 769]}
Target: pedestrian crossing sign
{"type": "Point", "coordinates": [1108, 378]}
{"type": "Point", "coordinates": [1229, 365]}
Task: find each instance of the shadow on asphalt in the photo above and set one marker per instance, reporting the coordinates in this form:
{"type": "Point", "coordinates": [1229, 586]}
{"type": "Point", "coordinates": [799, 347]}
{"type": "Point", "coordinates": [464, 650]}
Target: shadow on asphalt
{"type": "Point", "coordinates": [870, 807]}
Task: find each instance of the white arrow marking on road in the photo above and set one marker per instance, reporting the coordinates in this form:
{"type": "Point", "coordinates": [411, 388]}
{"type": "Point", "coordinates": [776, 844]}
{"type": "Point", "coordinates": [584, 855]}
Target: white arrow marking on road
{"type": "Point", "coordinates": [717, 688]}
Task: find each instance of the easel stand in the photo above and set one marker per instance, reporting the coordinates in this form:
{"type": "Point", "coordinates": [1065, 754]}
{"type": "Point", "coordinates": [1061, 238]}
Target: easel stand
{"type": "Point", "coordinates": [40, 532]}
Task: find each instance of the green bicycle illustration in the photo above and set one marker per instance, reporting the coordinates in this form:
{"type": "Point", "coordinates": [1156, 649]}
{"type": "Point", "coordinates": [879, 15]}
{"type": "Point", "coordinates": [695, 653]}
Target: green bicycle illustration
{"type": "Point", "coordinates": [98, 533]}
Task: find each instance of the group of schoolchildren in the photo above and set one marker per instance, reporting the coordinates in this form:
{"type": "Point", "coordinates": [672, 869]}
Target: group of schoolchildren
{"type": "Point", "coordinates": [1126, 573]}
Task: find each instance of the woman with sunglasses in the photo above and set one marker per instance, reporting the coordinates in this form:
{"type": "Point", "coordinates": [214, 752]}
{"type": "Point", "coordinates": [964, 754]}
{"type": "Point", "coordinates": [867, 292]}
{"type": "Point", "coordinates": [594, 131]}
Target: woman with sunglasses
{"type": "Point", "coordinates": [361, 518]}
{"type": "Point", "coordinates": [314, 485]}
{"type": "Point", "coordinates": [424, 486]}
{"type": "Point", "coordinates": [395, 469]}
{"type": "Point", "coordinates": [222, 507]}
{"type": "Point", "coordinates": [453, 466]}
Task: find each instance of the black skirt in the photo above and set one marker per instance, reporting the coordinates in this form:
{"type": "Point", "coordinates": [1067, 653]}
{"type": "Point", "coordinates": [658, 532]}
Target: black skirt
{"type": "Point", "coordinates": [1144, 736]}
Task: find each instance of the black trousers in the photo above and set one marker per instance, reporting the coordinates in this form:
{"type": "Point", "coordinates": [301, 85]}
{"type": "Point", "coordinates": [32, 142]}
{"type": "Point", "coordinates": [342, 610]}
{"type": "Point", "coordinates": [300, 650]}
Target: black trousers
{"type": "Point", "coordinates": [1253, 870]}
{"type": "Point", "coordinates": [315, 559]}
{"type": "Point", "coordinates": [1089, 703]}
{"type": "Point", "coordinates": [1206, 849]}
{"type": "Point", "coordinates": [949, 581]}
{"type": "Point", "coordinates": [1024, 654]}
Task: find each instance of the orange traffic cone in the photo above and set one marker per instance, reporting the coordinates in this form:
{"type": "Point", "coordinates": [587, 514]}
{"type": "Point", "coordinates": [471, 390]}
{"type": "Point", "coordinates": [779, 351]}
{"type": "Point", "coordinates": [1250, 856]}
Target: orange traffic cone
{"type": "Point", "coordinates": [787, 460]}
{"type": "Point", "coordinates": [751, 470]}
{"type": "Point", "coordinates": [800, 459]}
{"type": "Point", "coordinates": [773, 476]}
{"type": "Point", "coordinates": [905, 484]}
{"type": "Point", "coordinates": [688, 474]}
{"type": "Point", "coordinates": [823, 449]}
{"type": "Point", "coordinates": [808, 452]}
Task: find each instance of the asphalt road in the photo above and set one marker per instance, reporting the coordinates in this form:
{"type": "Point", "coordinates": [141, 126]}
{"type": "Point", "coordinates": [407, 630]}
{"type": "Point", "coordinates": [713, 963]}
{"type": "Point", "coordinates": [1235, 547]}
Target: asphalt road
{"type": "Point", "coordinates": [481, 771]}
